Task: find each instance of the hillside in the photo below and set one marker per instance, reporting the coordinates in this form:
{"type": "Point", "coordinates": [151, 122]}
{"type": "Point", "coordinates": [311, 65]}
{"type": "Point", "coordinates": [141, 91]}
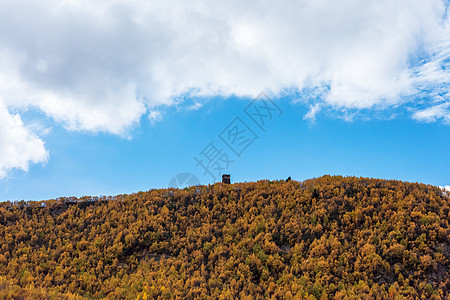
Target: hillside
{"type": "Point", "coordinates": [325, 238]}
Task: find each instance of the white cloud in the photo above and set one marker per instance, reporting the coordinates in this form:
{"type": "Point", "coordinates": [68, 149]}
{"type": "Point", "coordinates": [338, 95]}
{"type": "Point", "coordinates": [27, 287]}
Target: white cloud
{"type": "Point", "coordinates": [434, 113]}
{"type": "Point", "coordinates": [18, 146]}
{"type": "Point", "coordinates": [155, 116]}
{"type": "Point", "coordinates": [100, 65]}
{"type": "Point", "coordinates": [311, 114]}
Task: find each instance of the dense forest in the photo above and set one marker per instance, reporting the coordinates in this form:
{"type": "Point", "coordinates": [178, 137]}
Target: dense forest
{"type": "Point", "coordinates": [326, 238]}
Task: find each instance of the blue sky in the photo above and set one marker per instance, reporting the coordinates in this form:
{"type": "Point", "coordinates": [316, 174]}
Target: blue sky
{"type": "Point", "coordinates": [117, 97]}
{"type": "Point", "coordinates": [104, 164]}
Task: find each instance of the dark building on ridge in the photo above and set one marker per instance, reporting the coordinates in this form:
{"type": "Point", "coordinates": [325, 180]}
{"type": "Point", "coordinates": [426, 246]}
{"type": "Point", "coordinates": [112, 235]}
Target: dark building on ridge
{"type": "Point", "coordinates": [226, 178]}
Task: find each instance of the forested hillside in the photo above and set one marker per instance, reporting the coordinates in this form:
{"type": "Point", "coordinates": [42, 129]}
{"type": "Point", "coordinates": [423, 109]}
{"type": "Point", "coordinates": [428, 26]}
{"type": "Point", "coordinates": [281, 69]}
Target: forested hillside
{"type": "Point", "coordinates": [325, 238]}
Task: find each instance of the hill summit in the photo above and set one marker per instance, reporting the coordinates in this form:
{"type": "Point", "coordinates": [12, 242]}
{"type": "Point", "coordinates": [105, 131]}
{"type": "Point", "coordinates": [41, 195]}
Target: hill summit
{"type": "Point", "coordinates": [331, 237]}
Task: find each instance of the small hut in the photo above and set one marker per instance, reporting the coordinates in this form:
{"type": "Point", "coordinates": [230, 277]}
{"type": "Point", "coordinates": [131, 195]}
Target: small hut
{"type": "Point", "coordinates": [226, 178]}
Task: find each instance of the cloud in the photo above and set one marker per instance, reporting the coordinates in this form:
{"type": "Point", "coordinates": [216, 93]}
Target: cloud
{"type": "Point", "coordinates": [155, 116]}
{"type": "Point", "coordinates": [99, 66]}
{"type": "Point", "coordinates": [18, 146]}
{"type": "Point", "coordinates": [311, 114]}
{"type": "Point", "coordinates": [434, 113]}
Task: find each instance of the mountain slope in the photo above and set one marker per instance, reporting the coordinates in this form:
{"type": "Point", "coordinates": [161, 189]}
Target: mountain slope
{"type": "Point", "coordinates": [330, 237]}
